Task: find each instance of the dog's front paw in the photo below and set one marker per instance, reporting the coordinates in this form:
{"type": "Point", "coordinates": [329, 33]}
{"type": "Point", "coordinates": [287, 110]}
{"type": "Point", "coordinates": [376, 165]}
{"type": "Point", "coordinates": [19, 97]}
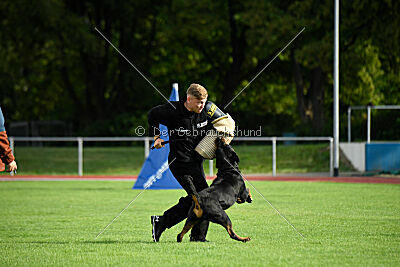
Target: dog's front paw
{"type": "Point", "coordinates": [239, 200]}
{"type": "Point", "coordinates": [249, 198]}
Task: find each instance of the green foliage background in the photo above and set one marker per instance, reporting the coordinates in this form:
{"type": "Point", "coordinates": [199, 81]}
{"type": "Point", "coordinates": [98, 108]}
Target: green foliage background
{"type": "Point", "coordinates": [55, 66]}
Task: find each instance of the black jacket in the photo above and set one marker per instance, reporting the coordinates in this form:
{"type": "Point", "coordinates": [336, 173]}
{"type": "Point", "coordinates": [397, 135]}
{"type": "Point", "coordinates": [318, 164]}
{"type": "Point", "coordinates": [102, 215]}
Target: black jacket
{"type": "Point", "coordinates": [182, 124]}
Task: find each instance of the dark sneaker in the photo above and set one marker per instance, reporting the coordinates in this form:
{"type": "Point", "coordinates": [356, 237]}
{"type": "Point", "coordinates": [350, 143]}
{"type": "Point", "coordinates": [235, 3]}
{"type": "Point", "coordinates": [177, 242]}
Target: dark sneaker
{"type": "Point", "coordinates": [157, 227]}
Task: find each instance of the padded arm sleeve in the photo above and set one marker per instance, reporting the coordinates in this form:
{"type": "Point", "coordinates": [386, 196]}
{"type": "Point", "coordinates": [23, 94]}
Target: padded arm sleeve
{"type": "Point", "coordinates": [213, 112]}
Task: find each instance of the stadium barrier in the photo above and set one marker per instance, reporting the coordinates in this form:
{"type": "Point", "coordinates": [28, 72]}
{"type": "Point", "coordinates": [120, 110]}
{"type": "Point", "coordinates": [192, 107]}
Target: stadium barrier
{"type": "Point", "coordinates": [147, 140]}
{"type": "Point", "coordinates": [368, 108]}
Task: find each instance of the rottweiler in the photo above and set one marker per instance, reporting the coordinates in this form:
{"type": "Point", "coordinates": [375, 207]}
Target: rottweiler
{"type": "Point", "coordinates": [228, 188]}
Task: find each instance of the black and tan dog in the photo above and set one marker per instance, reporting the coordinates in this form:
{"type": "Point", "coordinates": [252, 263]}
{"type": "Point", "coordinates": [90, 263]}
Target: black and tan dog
{"type": "Point", "coordinates": [226, 189]}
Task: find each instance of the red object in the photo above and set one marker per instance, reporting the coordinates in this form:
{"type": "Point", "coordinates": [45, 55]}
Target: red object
{"type": "Point", "coordinates": [350, 179]}
{"type": "Point", "coordinates": [6, 156]}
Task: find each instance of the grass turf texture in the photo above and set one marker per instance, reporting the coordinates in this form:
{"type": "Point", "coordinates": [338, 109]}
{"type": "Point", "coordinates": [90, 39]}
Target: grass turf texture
{"type": "Point", "coordinates": [129, 160]}
{"type": "Point", "coordinates": [55, 223]}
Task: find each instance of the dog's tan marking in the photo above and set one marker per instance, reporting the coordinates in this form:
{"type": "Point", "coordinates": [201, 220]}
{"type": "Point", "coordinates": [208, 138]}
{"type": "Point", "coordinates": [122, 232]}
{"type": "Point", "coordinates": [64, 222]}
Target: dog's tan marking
{"type": "Point", "coordinates": [250, 196]}
{"type": "Point", "coordinates": [233, 235]}
{"type": "Point", "coordinates": [185, 229]}
{"type": "Point", "coordinates": [197, 209]}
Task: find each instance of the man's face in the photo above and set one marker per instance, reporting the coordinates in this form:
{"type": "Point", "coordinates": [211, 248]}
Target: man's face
{"type": "Point", "coordinates": [195, 104]}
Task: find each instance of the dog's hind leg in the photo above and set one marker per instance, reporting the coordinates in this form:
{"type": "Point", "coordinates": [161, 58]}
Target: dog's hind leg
{"type": "Point", "coordinates": [223, 219]}
{"type": "Point", "coordinates": [190, 222]}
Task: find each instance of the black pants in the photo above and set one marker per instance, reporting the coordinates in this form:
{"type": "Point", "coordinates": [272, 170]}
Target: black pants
{"type": "Point", "coordinates": [179, 212]}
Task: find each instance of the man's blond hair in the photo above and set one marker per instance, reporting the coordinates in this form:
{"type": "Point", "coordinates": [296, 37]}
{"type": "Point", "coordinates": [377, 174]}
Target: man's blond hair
{"type": "Point", "coordinates": [197, 91]}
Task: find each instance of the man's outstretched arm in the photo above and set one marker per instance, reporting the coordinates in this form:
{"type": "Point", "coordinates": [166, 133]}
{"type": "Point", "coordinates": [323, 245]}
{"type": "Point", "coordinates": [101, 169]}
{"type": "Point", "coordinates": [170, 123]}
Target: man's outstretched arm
{"type": "Point", "coordinates": [159, 115]}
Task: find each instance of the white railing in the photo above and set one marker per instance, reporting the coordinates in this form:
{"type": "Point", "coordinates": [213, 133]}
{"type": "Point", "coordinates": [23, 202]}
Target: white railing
{"type": "Point", "coordinates": [147, 140]}
{"type": "Point", "coordinates": [368, 108]}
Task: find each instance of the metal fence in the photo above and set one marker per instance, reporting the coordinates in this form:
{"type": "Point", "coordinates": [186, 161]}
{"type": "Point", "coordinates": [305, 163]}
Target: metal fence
{"type": "Point", "coordinates": [147, 140]}
{"type": "Point", "coordinates": [368, 108]}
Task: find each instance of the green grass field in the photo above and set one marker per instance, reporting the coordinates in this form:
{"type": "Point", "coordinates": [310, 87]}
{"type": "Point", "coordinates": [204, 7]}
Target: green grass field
{"type": "Point", "coordinates": [55, 223]}
{"type": "Point", "coordinates": [129, 160]}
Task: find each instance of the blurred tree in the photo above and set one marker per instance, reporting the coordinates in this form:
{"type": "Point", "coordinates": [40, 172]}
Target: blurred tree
{"type": "Point", "coordinates": [54, 65]}
{"type": "Point", "coordinates": [111, 86]}
{"type": "Point", "coordinates": [219, 45]}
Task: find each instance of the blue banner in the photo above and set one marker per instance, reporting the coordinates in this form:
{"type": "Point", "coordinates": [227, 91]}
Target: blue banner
{"type": "Point", "coordinates": [382, 157]}
{"type": "Point", "coordinates": [155, 173]}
